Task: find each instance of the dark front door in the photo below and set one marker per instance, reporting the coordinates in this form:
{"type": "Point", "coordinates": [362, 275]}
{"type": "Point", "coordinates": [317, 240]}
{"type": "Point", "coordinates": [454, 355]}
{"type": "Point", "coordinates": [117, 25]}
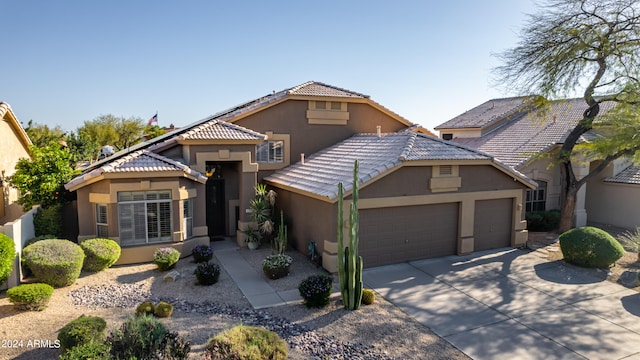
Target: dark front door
{"type": "Point", "coordinates": [215, 207]}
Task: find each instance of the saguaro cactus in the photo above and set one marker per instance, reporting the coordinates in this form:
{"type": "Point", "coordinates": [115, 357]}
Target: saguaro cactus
{"type": "Point", "coordinates": [349, 262]}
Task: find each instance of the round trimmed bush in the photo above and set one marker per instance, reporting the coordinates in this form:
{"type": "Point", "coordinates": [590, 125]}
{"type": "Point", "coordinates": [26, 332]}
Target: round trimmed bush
{"type": "Point", "coordinates": [202, 253]}
{"type": "Point", "coordinates": [82, 330]}
{"type": "Point", "coordinates": [316, 290]}
{"type": "Point", "coordinates": [99, 254]}
{"type": "Point", "coordinates": [166, 258]}
{"type": "Point", "coordinates": [246, 342]}
{"type": "Point", "coordinates": [7, 255]}
{"type": "Point", "coordinates": [54, 262]}
{"type": "Point", "coordinates": [30, 296]}
{"type": "Point", "coordinates": [276, 266]}
{"type": "Point", "coordinates": [590, 247]}
{"type": "Point", "coordinates": [93, 351]}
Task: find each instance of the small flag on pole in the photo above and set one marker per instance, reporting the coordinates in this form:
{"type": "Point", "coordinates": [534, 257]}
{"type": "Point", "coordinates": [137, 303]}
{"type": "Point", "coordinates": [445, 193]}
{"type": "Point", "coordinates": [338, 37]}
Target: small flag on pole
{"type": "Point", "coordinates": [154, 119]}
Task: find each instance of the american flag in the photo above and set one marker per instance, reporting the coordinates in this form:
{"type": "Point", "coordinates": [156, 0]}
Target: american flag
{"type": "Point", "coordinates": [154, 119]}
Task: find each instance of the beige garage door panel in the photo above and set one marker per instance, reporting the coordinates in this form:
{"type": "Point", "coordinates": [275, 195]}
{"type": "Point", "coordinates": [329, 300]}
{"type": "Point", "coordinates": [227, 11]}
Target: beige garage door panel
{"type": "Point", "coordinates": [493, 224]}
{"type": "Point", "coordinates": [399, 234]}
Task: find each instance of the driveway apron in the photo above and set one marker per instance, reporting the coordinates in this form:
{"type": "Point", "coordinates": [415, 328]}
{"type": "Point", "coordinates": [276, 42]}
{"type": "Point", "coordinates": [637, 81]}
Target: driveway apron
{"type": "Point", "coordinates": [515, 304]}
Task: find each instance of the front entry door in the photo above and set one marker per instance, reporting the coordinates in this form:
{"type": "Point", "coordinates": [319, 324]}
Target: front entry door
{"type": "Point", "coordinates": [216, 219]}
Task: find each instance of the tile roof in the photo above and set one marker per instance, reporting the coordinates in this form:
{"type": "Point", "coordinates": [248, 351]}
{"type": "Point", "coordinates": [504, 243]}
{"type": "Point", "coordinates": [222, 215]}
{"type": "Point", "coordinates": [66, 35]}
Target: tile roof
{"type": "Point", "coordinates": [630, 175]}
{"type": "Point", "coordinates": [483, 115]}
{"type": "Point", "coordinates": [524, 137]}
{"type": "Point", "coordinates": [322, 171]}
{"type": "Point", "coordinates": [136, 162]}
{"type": "Point", "coordinates": [314, 88]}
{"type": "Point", "coordinates": [220, 130]}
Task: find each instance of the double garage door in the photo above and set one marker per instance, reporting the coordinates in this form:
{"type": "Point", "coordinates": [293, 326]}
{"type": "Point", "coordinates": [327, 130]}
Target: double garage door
{"type": "Point", "coordinates": [399, 234]}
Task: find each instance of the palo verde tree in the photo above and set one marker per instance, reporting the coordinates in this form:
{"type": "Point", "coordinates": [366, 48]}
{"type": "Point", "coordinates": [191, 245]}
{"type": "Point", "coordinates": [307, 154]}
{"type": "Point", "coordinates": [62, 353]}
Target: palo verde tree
{"type": "Point", "coordinates": [590, 47]}
{"type": "Point", "coordinates": [119, 132]}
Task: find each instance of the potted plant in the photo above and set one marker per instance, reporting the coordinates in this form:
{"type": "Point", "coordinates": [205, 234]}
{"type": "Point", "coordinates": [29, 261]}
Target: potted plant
{"type": "Point", "coordinates": [253, 238]}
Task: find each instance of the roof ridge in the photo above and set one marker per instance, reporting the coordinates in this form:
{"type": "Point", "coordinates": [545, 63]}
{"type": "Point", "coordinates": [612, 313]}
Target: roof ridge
{"type": "Point", "coordinates": [408, 146]}
{"type": "Point", "coordinates": [301, 86]}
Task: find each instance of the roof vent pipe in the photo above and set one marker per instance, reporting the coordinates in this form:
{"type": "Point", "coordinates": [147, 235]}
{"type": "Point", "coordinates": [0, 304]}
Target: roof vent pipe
{"type": "Point", "coordinates": [379, 130]}
{"type": "Point", "coordinates": [302, 158]}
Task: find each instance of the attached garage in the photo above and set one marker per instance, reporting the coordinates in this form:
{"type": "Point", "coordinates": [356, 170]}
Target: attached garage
{"type": "Point", "coordinates": [493, 224]}
{"type": "Point", "coordinates": [398, 234]}
{"type": "Point", "coordinates": [419, 197]}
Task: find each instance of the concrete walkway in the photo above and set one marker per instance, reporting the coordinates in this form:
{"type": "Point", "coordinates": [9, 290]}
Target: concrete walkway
{"type": "Point", "coordinates": [514, 304]}
{"type": "Point", "coordinates": [252, 284]}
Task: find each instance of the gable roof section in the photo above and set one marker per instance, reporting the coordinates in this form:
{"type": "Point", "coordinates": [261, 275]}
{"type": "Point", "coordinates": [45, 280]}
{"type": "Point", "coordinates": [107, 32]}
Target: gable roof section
{"type": "Point", "coordinates": [221, 130]}
{"type": "Point", "coordinates": [524, 137]}
{"type": "Point", "coordinates": [141, 161]}
{"type": "Point", "coordinates": [6, 113]}
{"type": "Point", "coordinates": [321, 172]}
{"type": "Point", "coordinates": [486, 114]}
{"type": "Point", "coordinates": [630, 175]}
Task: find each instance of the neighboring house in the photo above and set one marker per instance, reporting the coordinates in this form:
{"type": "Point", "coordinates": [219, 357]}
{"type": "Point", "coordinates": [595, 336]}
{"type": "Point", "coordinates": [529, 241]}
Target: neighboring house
{"type": "Point", "coordinates": [195, 184]}
{"type": "Point", "coordinates": [525, 137]}
{"type": "Point", "coordinates": [14, 146]}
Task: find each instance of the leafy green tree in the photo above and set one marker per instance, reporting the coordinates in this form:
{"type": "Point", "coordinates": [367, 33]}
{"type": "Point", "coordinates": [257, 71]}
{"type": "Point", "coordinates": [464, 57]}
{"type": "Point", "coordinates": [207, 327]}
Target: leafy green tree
{"type": "Point", "coordinates": [151, 131]}
{"type": "Point", "coordinates": [42, 135]}
{"type": "Point", "coordinates": [591, 47]}
{"type": "Point", "coordinates": [120, 132]}
{"type": "Point", "coordinates": [41, 179]}
{"type": "Point", "coordinates": [82, 147]}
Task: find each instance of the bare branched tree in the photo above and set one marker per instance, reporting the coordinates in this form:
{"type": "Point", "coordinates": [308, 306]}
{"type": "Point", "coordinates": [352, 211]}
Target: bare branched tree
{"type": "Point", "coordinates": [590, 47]}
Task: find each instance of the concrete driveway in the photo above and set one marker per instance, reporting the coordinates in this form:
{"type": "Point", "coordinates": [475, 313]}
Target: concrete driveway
{"type": "Point", "coordinates": [515, 304]}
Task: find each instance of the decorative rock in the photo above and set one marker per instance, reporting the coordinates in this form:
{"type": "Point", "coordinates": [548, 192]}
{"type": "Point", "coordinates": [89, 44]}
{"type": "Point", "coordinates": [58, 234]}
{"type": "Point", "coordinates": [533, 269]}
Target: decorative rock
{"type": "Point", "coordinates": [629, 278]}
{"type": "Point", "coordinates": [171, 276]}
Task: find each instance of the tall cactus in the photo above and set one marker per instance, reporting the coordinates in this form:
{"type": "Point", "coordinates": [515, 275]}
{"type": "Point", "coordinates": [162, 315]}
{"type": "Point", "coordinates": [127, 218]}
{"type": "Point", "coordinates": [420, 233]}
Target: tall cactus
{"type": "Point", "coordinates": [349, 262]}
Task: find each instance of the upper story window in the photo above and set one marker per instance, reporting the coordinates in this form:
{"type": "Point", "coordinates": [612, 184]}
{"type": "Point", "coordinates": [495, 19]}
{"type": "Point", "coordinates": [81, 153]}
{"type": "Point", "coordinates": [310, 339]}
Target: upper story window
{"type": "Point", "coordinates": [447, 136]}
{"type": "Point", "coordinates": [270, 152]}
{"type": "Point", "coordinates": [537, 199]}
{"type": "Point", "coordinates": [144, 217]}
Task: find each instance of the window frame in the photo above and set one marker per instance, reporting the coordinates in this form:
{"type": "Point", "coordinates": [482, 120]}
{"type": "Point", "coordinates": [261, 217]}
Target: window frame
{"type": "Point", "coordinates": [102, 220]}
{"type": "Point", "coordinates": [272, 156]}
{"type": "Point", "coordinates": [187, 218]}
{"type": "Point", "coordinates": [148, 212]}
{"type": "Point", "coordinates": [536, 199]}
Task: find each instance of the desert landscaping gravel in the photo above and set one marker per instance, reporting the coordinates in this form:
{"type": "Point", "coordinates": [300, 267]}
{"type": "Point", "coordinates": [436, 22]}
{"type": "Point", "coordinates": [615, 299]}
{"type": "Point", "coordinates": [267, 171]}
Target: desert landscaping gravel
{"type": "Point", "coordinates": [378, 331]}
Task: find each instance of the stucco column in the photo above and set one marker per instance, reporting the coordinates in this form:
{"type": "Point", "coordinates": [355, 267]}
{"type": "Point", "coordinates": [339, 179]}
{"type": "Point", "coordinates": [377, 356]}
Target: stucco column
{"type": "Point", "coordinates": [580, 214]}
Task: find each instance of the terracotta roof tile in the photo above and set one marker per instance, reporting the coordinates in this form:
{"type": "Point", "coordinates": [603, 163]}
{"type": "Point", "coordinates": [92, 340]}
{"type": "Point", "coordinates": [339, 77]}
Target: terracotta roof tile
{"type": "Point", "coordinates": [314, 88]}
{"type": "Point", "coordinates": [221, 130]}
{"type": "Point", "coordinates": [524, 137]}
{"type": "Point", "coordinates": [630, 175]}
{"type": "Point", "coordinates": [323, 170]}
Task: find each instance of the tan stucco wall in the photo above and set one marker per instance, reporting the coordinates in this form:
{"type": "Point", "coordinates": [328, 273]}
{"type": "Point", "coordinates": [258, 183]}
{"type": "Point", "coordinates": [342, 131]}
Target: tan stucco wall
{"type": "Point", "coordinates": [290, 117]}
{"type": "Point", "coordinates": [543, 169]}
{"type": "Point", "coordinates": [612, 203]}
{"type": "Point", "coordinates": [12, 148]}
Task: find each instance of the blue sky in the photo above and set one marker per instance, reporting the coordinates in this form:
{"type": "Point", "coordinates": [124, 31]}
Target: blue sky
{"type": "Point", "coordinates": [64, 62]}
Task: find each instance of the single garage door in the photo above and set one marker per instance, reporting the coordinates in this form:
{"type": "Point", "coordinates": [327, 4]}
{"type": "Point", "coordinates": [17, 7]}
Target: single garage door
{"type": "Point", "coordinates": [398, 234]}
{"type": "Point", "coordinates": [493, 227]}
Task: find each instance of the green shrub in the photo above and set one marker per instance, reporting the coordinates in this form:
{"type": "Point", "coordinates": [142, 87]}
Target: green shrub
{"type": "Point", "coordinates": [276, 266]}
{"type": "Point", "coordinates": [202, 253]}
{"type": "Point", "coordinates": [145, 307]}
{"type": "Point", "coordinates": [87, 351]}
{"type": "Point", "coordinates": [99, 254]}
{"type": "Point", "coordinates": [55, 262]}
{"type": "Point", "coordinates": [144, 337]}
{"type": "Point", "coordinates": [30, 296]}
{"type": "Point", "coordinates": [543, 220]}
{"type": "Point", "coordinates": [630, 240]}
{"type": "Point", "coordinates": [7, 256]}
{"type": "Point", "coordinates": [82, 330]}
{"type": "Point", "coordinates": [590, 247]}
{"type": "Point", "coordinates": [48, 220]}
{"type": "Point", "coordinates": [316, 290]}
{"type": "Point", "coordinates": [246, 343]}
{"type": "Point", "coordinates": [368, 296]}
{"type": "Point", "coordinates": [207, 273]}
{"type": "Point", "coordinates": [163, 309]}
{"type": "Point", "coordinates": [166, 258]}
